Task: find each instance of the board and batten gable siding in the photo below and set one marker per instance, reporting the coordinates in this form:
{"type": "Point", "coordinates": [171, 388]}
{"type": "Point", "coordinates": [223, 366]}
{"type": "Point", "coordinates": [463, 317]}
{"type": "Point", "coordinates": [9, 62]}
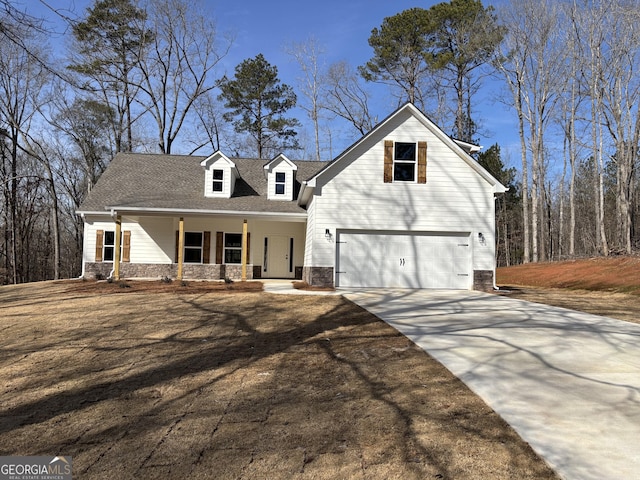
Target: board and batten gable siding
{"type": "Point", "coordinates": [455, 198]}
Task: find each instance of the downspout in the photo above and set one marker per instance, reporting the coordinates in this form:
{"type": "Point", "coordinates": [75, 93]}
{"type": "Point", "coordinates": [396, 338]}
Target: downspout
{"type": "Point", "coordinates": [495, 257]}
{"type": "Point", "coordinates": [81, 277]}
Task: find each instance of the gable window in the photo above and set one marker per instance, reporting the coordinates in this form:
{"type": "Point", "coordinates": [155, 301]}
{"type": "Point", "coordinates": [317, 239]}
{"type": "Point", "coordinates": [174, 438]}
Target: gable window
{"type": "Point", "coordinates": [233, 248]}
{"type": "Point", "coordinates": [192, 247]}
{"type": "Point", "coordinates": [218, 177]}
{"type": "Point", "coordinates": [404, 162]}
{"type": "Point", "coordinates": [280, 182]}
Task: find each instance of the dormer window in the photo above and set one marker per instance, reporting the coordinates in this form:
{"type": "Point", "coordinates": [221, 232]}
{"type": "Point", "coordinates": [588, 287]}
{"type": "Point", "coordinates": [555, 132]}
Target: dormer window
{"type": "Point", "coordinates": [220, 175]}
{"type": "Point", "coordinates": [218, 180]}
{"type": "Point", "coordinates": [280, 183]}
{"type": "Point", "coordinates": [281, 178]}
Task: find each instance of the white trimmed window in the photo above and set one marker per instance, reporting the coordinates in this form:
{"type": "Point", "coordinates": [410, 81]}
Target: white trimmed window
{"type": "Point", "coordinates": [232, 248]}
{"type": "Point", "coordinates": [106, 243]}
{"type": "Point", "coordinates": [193, 247]}
{"type": "Point", "coordinates": [404, 162]}
{"type": "Point", "coordinates": [217, 180]}
{"type": "Point", "coordinates": [280, 182]}
{"type": "Point", "coordinates": [108, 249]}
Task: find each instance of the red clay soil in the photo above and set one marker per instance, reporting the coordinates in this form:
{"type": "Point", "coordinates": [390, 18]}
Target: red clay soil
{"type": "Point", "coordinates": [610, 274]}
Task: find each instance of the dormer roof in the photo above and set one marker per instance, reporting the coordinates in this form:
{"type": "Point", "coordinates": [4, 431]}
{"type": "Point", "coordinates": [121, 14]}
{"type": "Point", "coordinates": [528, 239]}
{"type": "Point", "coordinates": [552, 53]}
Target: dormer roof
{"type": "Point", "coordinates": [218, 156]}
{"type": "Point", "coordinates": [279, 160]}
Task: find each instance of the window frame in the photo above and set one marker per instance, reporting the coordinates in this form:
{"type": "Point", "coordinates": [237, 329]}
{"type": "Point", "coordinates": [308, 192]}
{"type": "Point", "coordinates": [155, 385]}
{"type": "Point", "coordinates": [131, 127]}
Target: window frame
{"type": "Point", "coordinates": [217, 181]}
{"type": "Point", "coordinates": [280, 183]}
{"type": "Point", "coordinates": [193, 248]}
{"type": "Point", "coordinates": [234, 248]}
{"type": "Point", "coordinates": [109, 246]}
{"type": "Point", "coordinates": [401, 162]}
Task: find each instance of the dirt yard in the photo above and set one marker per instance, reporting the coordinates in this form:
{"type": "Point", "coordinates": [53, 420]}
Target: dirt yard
{"type": "Point", "coordinates": [604, 286]}
{"type": "Point", "coordinates": [189, 382]}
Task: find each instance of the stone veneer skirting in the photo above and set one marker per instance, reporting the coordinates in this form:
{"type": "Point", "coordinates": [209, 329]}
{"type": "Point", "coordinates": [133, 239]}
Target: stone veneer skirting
{"type": "Point", "coordinates": [483, 280]}
{"type": "Point", "coordinates": [318, 276]}
{"type": "Point", "coordinates": [160, 270]}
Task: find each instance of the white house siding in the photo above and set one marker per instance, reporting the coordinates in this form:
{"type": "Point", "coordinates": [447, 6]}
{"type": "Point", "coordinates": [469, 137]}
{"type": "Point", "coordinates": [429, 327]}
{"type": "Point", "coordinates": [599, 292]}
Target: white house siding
{"type": "Point", "coordinates": [152, 240]}
{"type": "Point", "coordinates": [91, 226]}
{"type": "Point", "coordinates": [454, 199]}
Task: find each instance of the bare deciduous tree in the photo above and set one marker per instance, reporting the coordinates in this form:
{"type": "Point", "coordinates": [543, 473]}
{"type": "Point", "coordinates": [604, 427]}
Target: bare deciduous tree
{"type": "Point", "coordinates": [308, 56]}
{"type": "Point", "coordinates": [346, 97]}
{"type": "Point", "coordinates": [177, 68]}
{"type": "Point", "coordinates": [534, 69]}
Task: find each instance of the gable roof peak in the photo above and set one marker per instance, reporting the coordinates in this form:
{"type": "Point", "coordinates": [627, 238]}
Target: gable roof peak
{"type": "Point", "coordinates": [278, 159]}
{"type": "Point", "coordinates": [217, 155]}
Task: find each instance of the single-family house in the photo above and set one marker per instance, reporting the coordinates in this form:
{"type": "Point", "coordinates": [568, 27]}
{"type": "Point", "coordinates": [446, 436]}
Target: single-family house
{"type": "Point", "coordinates": [404, 206]}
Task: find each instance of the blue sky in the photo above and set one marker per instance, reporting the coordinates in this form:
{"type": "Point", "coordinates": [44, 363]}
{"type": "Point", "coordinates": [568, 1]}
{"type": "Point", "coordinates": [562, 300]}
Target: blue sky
{"type": "Point", "coordinates": [341, 27]}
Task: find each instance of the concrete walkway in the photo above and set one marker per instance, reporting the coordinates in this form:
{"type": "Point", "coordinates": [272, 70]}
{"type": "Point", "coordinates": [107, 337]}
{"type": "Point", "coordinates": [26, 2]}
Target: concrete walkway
{"type": "Point", "coordinates": [567, 382]}
{"type": "Point", "coordinates": [286, 287]}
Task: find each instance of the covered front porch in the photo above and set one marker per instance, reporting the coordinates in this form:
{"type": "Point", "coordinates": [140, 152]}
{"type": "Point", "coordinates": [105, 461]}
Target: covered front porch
{"type": "Point", "coordinates": [195, 246]}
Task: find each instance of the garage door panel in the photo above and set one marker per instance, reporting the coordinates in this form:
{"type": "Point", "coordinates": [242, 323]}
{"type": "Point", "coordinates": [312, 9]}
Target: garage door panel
{"type": "Point", "coordinates": [404, 261]}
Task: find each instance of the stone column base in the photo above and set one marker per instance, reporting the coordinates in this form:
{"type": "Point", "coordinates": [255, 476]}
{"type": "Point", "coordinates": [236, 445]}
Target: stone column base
{"type": "Point", "coordinates": [318, 276]}
{"type": "Point", "coordinates": [483, 280]}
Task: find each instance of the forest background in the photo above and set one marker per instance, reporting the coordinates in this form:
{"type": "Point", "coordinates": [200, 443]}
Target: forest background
{"type": "Point", "coordinates": [553, 82]}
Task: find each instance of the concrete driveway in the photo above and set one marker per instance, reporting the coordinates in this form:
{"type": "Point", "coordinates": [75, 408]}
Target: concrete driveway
{"type": "Point", "coordinates": [568, 382]}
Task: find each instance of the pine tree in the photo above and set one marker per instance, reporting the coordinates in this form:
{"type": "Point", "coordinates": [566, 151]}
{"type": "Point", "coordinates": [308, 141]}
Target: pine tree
{"type": "Point", "coordinates": [257, 102]}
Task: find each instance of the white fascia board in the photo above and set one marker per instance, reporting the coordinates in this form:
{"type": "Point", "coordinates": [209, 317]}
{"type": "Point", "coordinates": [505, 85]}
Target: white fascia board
{"type": "Point", "coordinates": [283, 158]}
{"type": "Point", "coordinates": [306, 192]}
{"type": "Point", "coordinates": [457, 148]}
{"type": "Point", "coordinates": [472, 148]}
{"type": "Point", "coordinates": [231, 213]}
{"type": "Point", "coordinates": [84, 213]}
{"type": "Point", "coordinates": [218, 155]}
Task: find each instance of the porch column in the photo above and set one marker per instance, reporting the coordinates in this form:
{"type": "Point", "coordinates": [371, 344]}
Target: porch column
{"type": "Point", "coordinates": [116, 248]}
{"type": "Point", "coordinates": [244, 250]}
{"type": "Point", "coordinates": [180, 247]}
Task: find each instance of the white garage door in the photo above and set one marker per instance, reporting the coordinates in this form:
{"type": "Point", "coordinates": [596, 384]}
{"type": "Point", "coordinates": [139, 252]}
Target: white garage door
{"type": "Point", "coordinates": [404, 261]}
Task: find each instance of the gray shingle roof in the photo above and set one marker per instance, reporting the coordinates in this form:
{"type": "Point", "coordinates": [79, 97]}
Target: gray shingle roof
{"type": "Point", "coordinates": [153, 181]}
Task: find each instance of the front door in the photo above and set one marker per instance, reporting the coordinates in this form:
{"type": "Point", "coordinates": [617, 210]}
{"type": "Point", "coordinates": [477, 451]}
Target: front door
{"type": "Point", "coordinates": [278, 251]}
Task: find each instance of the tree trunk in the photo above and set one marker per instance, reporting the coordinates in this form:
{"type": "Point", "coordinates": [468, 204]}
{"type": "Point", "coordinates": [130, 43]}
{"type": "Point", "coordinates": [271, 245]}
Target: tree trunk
{"type": "Point", "coordinates": [525, 175]}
